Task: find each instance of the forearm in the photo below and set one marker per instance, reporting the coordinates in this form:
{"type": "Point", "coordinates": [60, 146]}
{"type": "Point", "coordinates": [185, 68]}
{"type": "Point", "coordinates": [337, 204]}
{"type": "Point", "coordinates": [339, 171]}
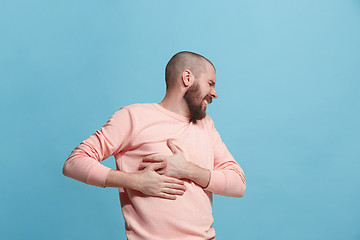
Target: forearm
{"type": "Point", "coordinates": [198, 175]}
{"type": "Point", "coordinates": [227, 177]}
{"type": "Point", "coordinates": [85, 169]}
{"type": "Point", "coordinates": [148, 182]}
{"type": "Point", "coordinates": [84, 165]}
{"type": "Point", "coordinates": [227, 182]}
{"type": "Point", "coordinates": [121, 179]}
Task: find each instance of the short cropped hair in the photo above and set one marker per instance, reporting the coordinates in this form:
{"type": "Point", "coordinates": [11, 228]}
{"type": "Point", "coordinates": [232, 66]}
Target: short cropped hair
{"type": "Point", "coordinates": [182, 61]}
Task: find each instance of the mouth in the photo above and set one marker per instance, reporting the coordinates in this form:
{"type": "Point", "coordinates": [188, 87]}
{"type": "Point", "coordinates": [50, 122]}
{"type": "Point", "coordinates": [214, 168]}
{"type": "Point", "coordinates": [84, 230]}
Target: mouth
{"type": "Point", "coordinates": [207, 100]}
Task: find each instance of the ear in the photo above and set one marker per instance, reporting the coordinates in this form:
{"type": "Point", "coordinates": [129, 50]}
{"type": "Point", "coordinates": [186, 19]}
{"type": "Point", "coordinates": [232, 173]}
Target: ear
{"type": "Point", "coordinates": [187, 78]}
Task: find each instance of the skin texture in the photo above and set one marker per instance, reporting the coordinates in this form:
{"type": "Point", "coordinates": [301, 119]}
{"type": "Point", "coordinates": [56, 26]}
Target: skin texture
{"type": "Point", "coordinates": [178, 167]}
{"type": "Point", "coordinates": [181, 61]}
{"type": "Point", "coordinates": [160, 176]}
{"type": "Point", "coordinates": [148, 181]}
{"type": "Point", "coordinates": [174, 99]}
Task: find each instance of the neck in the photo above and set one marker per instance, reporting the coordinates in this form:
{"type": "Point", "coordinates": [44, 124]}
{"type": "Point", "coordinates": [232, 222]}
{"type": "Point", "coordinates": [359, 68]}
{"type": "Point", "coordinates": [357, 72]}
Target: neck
{"type": "Point", "coordinates": [175, 103]}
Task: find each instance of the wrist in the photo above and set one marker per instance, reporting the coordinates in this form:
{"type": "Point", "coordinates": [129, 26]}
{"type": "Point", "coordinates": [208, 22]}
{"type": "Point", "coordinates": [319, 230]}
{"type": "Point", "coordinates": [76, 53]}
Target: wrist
{"type": "Point", "coordinates": [134, 181]}
{"type": "Point", "coordinates": [188, 171]}
{"type": "Point", "coordinates": [199, 175]}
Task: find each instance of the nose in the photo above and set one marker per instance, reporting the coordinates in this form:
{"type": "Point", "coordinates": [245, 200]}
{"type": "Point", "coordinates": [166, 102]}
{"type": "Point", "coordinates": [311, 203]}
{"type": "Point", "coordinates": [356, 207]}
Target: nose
{"type": "Point", "coordinates": [213, 93]}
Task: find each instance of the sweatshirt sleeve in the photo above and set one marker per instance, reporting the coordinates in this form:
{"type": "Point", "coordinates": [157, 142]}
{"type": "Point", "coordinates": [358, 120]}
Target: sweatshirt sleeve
{"type": "Point", "coordinates": [84, 165]}
{"type": "Point", "coordinates": [227, 178]}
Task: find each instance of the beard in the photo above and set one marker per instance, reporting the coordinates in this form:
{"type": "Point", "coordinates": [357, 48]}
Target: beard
{"type": "Point", "coordinates": [194, 100]}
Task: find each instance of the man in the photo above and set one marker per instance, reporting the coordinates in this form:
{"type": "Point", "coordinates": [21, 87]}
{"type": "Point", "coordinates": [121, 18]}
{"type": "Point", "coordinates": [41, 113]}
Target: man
{"type": "Point", "coordinates": [169, 157]}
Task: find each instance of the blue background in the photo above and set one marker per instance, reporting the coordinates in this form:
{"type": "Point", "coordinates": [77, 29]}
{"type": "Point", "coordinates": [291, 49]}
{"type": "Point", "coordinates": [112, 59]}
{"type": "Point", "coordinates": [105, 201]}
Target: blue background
{"type": "Point", "coordinates": [288, 77]}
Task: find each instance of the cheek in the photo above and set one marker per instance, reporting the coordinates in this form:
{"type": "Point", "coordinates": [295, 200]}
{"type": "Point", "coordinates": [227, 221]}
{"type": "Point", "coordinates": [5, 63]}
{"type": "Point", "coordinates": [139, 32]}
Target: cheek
{"type": "Point", "coordinates": [207, 93]}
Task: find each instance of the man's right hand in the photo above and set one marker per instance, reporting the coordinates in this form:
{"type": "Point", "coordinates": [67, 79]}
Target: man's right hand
{"type": "Point", "coordinates": [151, 183]}
{"type": "Point", "coordinates": [147, 181]}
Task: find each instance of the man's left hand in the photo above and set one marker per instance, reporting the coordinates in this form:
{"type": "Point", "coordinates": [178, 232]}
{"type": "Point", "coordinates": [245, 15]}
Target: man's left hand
{"type": "Point", "coordinates": [176, 165]}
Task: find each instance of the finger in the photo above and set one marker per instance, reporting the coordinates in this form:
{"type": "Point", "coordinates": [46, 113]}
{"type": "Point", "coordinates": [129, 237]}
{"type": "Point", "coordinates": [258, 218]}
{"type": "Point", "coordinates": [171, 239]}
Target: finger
{"type": "Point", "coordinates": [144, 165]}
{"type": "Point", "coordinates": [167, 196]}
{"type": "Point", "coordinates": [173, 191]}
{"type": "Point", "coordinates": [161, 171]}
{"type": "Point", "coordinates": [173, 180]}
{"type": "Point", "coordinates": [156, 166]}
{"type": "Point", "coordinates": [175, 186]}
{"type": "Point", "coordinates": [155, 159]}
{"type": "Point", "coordinates": [174, 149]}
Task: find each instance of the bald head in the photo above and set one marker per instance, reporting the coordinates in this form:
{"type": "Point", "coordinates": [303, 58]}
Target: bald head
{"type": "Point", "coordinates": [181, 62]}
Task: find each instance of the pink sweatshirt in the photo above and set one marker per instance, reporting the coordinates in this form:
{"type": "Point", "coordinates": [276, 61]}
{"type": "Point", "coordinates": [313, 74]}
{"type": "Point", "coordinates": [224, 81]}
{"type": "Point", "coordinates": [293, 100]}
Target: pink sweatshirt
{"type": "Point", "coordinates": [140, 130]}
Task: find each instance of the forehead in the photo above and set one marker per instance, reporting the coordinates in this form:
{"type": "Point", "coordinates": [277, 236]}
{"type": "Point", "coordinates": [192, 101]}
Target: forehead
{"type": "Point", "coordinates": [209, 72]}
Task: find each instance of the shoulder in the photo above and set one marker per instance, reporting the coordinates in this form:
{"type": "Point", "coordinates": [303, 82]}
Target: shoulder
{"type": "Point", "coordinates": [206, 123]}
{"type": "Point", "coordinates": [133, 109]}
{"type": "Point", "coordinates": [138, 106]}
{"type": "Point", "coordinates": [140, 111]}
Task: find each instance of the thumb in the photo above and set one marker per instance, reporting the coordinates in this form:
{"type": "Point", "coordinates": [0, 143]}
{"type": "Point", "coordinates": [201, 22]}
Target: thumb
{"type": "Point", "coordinates": [174, 149]}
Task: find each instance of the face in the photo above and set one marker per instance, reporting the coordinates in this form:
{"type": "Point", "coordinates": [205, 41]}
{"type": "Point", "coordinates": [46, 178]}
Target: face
{"type": "Point", "coordinates": [201, 93]}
